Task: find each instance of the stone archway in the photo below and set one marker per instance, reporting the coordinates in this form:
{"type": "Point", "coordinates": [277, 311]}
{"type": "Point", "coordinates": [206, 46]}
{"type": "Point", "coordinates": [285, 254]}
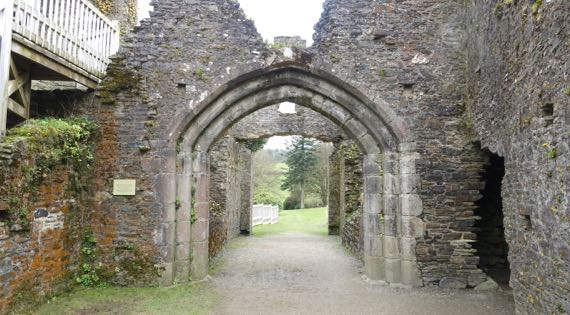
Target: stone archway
{"type": "Point", "coordinates": [391, 203]}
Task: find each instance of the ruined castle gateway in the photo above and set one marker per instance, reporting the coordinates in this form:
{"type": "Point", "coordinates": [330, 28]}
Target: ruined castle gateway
{"type": "Point", "coordinates": [389, 190]}
{"type": "Point", "coordinates": [420, 85]}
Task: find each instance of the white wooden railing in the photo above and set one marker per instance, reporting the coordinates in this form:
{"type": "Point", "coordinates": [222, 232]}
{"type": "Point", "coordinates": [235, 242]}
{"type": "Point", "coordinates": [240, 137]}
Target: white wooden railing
{"type": "Point", "coordinates": [72, 29]}
{"type": "Point", "coordinates": [265, 214]}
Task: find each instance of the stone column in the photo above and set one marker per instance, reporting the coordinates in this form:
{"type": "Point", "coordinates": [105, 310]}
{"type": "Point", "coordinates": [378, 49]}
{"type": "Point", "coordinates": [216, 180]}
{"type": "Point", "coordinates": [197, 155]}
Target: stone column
{"type": "Point", "coordinates": [372, 221]}
{"type": "Point", "coordinates": [391, 219]}
{"type": "Point", "coordinates": [411, 208]}
{"type": "Point", "coordinates": [246, 180]}
{"type": "Point", "coordinates": [182, 209]}
{"type": "Point", "coordinates": [200, 227]}
{"type": "Point", "coordinates": [335, 191]}
{"type": "Point", "coordinates": [166, 188]}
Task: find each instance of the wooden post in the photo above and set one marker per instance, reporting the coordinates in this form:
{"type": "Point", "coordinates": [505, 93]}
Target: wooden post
{"type": "Point", "coordinates": [6, 12]}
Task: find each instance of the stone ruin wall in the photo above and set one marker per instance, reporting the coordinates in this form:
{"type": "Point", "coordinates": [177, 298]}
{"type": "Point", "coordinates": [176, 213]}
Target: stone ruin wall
{"type": "Point", "coordinates": [411, 55]}
{"type": "Point", "coordinates": [37, 259]}
{"type": "Point", "coordinates": [351, 205]}
{"type": "Point", "coordinates": [519, 105]}
{"type": "Point", "coordinates": [228, 186]}
{"type": "Point", "coordinates": [270, 122]}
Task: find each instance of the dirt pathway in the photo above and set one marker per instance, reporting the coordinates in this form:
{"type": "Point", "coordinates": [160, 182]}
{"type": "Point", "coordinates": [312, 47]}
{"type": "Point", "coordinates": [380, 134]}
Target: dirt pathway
{"type": "Point", "coordinates": [296, 273]}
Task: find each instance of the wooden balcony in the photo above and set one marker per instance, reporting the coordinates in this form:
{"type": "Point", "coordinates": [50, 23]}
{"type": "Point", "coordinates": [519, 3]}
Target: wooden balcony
{"type": "Point", "coordinates": [53, 40]}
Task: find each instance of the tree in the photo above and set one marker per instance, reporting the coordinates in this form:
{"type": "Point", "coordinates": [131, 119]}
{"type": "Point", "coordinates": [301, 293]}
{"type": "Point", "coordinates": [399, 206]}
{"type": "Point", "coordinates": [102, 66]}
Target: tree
{"type": "Point", "coordinates": [301, 159]}
{"type": "Point", "coordinates": [319, 182]}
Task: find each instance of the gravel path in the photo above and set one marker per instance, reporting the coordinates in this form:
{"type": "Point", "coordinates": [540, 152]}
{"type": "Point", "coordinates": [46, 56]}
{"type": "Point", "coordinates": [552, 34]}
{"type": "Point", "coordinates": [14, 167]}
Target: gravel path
{"type": "Point", "coordinates": [297, 273]}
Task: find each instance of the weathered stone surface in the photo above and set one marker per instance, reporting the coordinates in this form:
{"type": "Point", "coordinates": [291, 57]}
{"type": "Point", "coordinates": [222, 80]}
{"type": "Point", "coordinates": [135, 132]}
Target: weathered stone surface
{"type": "Point", "coordinates": [488, 285]}
{"type": "Point", "coordinates": [519, 106]}
{"type": "Point", "coordinates": [452, 283]}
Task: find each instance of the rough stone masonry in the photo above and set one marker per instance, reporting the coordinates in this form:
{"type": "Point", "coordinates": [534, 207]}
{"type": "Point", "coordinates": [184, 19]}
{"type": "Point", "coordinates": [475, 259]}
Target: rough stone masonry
{"type": "Point", "coordinates": [427, 90]}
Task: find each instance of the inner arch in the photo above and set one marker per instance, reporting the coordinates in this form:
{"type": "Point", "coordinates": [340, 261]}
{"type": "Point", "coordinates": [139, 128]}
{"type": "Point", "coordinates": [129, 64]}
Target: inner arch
{"type": "Point", "coordinates": [377, 119]}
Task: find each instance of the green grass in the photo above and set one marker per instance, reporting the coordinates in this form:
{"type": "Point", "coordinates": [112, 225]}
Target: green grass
{"type": "Point", "coordinates": [195, 298]}
{"type": "Point", "coordinates": [310, 221]}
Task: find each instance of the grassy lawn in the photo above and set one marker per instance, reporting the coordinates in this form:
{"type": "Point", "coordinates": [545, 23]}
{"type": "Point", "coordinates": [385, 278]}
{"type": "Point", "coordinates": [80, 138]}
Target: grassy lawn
{"type": "Point", "coordinates": [194, 298]}
{"type": "Point", "coordinates": [311, 221]}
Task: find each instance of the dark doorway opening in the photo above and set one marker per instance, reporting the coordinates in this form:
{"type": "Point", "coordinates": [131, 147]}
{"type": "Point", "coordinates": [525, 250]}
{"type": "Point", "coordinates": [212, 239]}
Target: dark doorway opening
{"type": "Point", "coordinates": [491, 245]}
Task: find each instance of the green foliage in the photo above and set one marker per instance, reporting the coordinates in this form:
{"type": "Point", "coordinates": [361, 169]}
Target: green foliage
{"type": "Point", "coordinates": [50, 142]}
{"type": "Point", "coordinates": [88, 271]}
{"type": "Point", "coordinates": [266, 198]}
{"type": "Point", "coordinates": [536, 6]}
{"type": "Point", "coordinates": [567, 90]}
{"type": "Point", "coordinates": [498, 10]}
{"type": "Point", "coordinates": [552, 153]}
{"type": "Point", "coordinates": [200, 74]}
{"type": "Point", "coordinates": [334, 58]}
{"type": "Point", "coordinates": [267, 177]}
{"type": "Point", "coordinates": [301, 160]}
{"type": "Point", "coordinates": [293, 201]}
{"type": "Point", "coordinates": [255, 144]}
{"type": "Point", "coordinates": [382, 73]}
{"type": "Point", "coordinates": [56, 141]}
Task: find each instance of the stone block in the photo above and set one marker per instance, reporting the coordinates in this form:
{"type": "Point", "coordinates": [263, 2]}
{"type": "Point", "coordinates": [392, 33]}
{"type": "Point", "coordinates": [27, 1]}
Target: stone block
{"type": "Point", "coordinates": [452, 283]}
{"type": "Point", "coordinates": [369, 144]}
{"type": "Point", "coordinates": [165, 187]}
{"type": "Point", "coordinates": [182, 271]}
{"type": "Point", "coordinates": [183, 232]}
{"type": "Point", "coordinates": [202, 185]}
{"type": "Point", "coordinates": [373, 245]}
{"type": "Point", "coordinates": [391, 185]}
{"type": "Point", "coordinates": [371, 165]}
{"type": "Point", "coordinates": [476, 278]}
{"type": "Point", "coordinates": [489, 285]}
{"type": "Point", "coordinates": [408, 248]}
{"type": "Point", "coordinates": [373, 203]}
{"type": "Point", "coordinates": [390, 225]}
{"type": "Point", "coordinates": [407, 147]}
{"type": "Point", "coordinates": [393, 270]}
{"type": "Point", "coordinates": [373, 184]}
{"type": "Point", "coordinates": [202, 210]}
{"type": "Point", "coordinates": [412, 227]}
{"type": "Point", "coordinates": [374, 268]}
{"type": "Point", "coordinates": [390, 165]}
{"type": "Point", "coordinates": [409, 184]}
{"type": "Point", "coordinates": [408, 164]}
{"type": "Point", "coordinates": [410, 274]}
{"type": "Point", "coordinates": [356, 128]}
{"type": "Point", "coordinates": [183, 251]}
{"type": "Point", "coordinates": [391, 247]}
{"type": "Point", "coordinates": [200, 231]}
{"type": "Point", "coordinates": [371, 224]}
{"type": "Point", "coordinates": [412, 205]}
{"type": "Point", "coordinates": [199, 264]}
{"type": "Point", "coordinates": [166, 274]}
{"type": "Point", "coordinates": [391, 204]}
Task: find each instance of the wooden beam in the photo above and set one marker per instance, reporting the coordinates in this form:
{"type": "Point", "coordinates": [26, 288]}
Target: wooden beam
{"type": "Point", "coordinates": [53, 62]}
{"type": "Point", "coordinates": [5, 56]}
{"type": "Point", "coordinates": [18, 109]}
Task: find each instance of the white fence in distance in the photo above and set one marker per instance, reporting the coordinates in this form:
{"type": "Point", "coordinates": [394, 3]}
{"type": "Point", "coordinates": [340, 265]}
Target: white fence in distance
{"type": "Point", "coordinates": [265, 214]}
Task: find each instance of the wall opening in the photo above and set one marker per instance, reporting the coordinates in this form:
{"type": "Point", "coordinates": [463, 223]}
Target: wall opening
{"type": "Point", "coordinates": [491, 245]}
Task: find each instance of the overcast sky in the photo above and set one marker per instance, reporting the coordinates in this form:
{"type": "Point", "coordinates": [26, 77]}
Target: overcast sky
{"type": "Point", "coordinates": [274, 18]}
